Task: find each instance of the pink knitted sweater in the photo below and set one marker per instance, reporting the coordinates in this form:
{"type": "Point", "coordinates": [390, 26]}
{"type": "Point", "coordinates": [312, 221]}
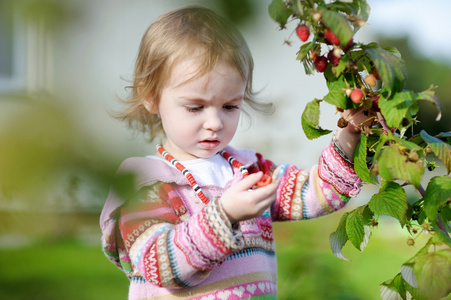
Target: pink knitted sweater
{"type": "Point", "coordinates": [173, 246]}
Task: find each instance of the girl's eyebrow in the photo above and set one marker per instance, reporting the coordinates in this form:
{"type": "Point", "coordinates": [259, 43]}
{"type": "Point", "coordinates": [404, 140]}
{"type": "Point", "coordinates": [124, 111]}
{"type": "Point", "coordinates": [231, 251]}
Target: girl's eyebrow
{"type": "Point", "coordinates": [203, 100]}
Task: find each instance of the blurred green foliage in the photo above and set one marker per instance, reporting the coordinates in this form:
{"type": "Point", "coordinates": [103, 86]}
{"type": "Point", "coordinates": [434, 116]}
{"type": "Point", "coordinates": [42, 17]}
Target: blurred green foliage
{"type": "Point", "coordinates": [422, 73]}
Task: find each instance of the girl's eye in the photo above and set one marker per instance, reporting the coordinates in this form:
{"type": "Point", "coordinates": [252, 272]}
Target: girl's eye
{"type": "Point", "coordinates": [194, 108]}
{"type": "Point", "coordinates": [231, 107]}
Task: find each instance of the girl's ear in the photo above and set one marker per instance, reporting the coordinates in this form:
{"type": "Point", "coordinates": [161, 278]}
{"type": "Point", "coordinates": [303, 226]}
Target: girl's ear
{"type": "Point", "coordinates": [150, 106]}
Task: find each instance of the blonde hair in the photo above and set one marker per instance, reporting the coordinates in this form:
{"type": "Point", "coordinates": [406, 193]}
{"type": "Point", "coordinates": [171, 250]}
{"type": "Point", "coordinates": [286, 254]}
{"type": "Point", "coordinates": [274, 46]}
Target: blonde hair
{"type": "Point", "coordinates": [176, 36]}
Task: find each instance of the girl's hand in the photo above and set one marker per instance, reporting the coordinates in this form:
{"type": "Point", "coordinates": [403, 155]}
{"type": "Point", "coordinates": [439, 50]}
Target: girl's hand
{"type": "Point", "coordinates": [357, 118]}
{"type": "Point", "coordinates": [241, 204]}
{"type": "Point", "coordinates": [349, 136]}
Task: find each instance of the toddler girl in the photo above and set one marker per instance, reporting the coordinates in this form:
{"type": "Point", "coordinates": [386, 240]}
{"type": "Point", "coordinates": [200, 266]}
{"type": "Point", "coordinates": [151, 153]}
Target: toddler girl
{"type": "Point", "coordinates": [200, 226]}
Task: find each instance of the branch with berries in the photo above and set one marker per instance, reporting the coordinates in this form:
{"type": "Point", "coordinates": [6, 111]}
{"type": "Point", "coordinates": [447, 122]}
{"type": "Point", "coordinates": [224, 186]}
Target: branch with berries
{"type": "Point", "coordinates": [390, 155]}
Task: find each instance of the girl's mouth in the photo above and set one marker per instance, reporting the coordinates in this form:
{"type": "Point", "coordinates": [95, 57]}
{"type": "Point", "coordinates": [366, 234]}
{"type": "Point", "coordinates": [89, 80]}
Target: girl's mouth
{"type": "Point", "coordinates": [209, 144]}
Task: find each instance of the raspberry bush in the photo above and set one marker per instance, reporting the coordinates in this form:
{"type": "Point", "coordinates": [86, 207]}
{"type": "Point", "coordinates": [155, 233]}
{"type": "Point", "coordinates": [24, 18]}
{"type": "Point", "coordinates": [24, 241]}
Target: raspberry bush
{"type": "Point", "coordinates": [391, 154]}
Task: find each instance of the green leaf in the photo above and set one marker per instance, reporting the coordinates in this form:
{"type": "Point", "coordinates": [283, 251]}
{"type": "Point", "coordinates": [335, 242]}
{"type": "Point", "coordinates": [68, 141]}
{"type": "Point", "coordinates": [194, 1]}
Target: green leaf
{"type": "Point", "coordinates": [303, 51]}
{"type": "Point", "coordinates": [342, 65]}
{"type": "Point", "coordinates": [360, 165]}
{"type": "Point", "coordinates": [445, 216]}
{"type": "Point", "coordinates": [391, 67]}
{"type": "Point", "coordinates": [433, 272]}
{"type": "Point", "coordinates": [440, 238]}
{"type": "Point", "coordinates": [401, 105]}
{"type": "Point", "coordinates": [438, 192]}
{"type": "Point", "coordinates": [310, 120]}
{"type": "Point", "coordinates": [336, 95]}
{"type": "Point", "coordinates": [393, 164]}
{"type": "Point", "coordinates": [441, 149]}
{"type": "Point", "coordinates": [390, 200]}
{"type": "Point", "coordinates": [339, 238]}
{"type": "Point", "coordinates": [279, 12]}
{"type": "Point", "coordinates": [363, 9]}
{"type": "Point", "coordinates": [429, 95]}
{"type": "Point", "coordinates": [409, 145]}
{"type": "Point", "coordinates": [124, 185]}
{"type": "Point", "coordinates": [408, 274]}
{"type": "Point", "coordinates": [393, 289]}
{"type": "Point", "coordinates": [357, 228]}
{"type": "Point", "coordinates": [362, 60]}
{"type": "Point", "coordinates": [338, 24]}
{"type": "Point", "coordinates": [444, 135]}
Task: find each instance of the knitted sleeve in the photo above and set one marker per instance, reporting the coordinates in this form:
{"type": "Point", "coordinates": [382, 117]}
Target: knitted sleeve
{"type": "Point", "coordinates": [168, 247]}
{"type": "Point", "coordinates": [325, 188]}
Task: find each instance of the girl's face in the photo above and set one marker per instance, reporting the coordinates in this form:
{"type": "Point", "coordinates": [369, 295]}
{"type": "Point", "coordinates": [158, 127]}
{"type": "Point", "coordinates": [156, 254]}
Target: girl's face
{"type": "Point", "coordinates": [200, 117]}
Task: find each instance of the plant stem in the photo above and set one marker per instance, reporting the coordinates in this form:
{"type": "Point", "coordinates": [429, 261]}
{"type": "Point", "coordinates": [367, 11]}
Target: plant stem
{"type": "Point", "coordinates": [421, 190]}
{"type": "Point", "coordinates": [382, 121]}
{"type": "Point", "coordinates": [441, 226]}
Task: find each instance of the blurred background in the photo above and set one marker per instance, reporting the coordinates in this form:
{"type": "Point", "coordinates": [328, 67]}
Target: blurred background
{"type": "Point", "coordinates": [63, 65]}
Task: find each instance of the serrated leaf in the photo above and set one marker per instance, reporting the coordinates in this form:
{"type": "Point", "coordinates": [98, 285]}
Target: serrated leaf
{"type": "Point", "coordinates": [441, 149]}
{"type": "Point", "coordinates": [444, 135]}
{"type": "Point", "coordinates": [433, 272]}
{"type": "Point", "coordinates": [310, 120]}
{"type": "Point", "coordinates": [363, 9]}
{"type": "Point", "coordinates": [279, 12]}
{"type": "Point", "coordinates": [401, 105]}
{"type": "Point", "coordinates": [360, 165]}
{"type": "Point", "coordinates": [338, 25]}
{"type": "Point", "coordinates": [438, 192]}
{"type": "Point", "coordinates": [409, 275]}
{"type": "Point", "coordinates": [297, 8]}
{"type": "Point", "coordinates": [393, 289]}
{"type": "Point", "coordinates": [391, 67]}
{"type": "Point", "coordinates": [409, 145]}
{"type": "Point", "coordinates": [440, 238]}
{"type": "Point", "coordinates": [394, 165]}
{"type": "Point", "coordinates": [341, 67]}
{"type": "Point", "coordinates": [362, 60]}
{"type": "Point", "coordinates": [343, 6]}
{"type": "Point", "coordinates": [429, 95]}
{"type": "Point", "coordinates": [336, 95]}
{"type": "Point", "coordinates": [355, 227]}
{"type": "Point", "coordinates": [390, 200]}
{"type": "Point", "coordinates": [339, 238]}
{"type": "Point", "coordinates": [304, 50]}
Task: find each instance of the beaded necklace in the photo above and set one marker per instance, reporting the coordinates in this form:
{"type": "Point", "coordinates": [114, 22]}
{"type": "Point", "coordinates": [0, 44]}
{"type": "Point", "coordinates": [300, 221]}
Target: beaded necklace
{"type": "Point", "coordinates": [197, 189]}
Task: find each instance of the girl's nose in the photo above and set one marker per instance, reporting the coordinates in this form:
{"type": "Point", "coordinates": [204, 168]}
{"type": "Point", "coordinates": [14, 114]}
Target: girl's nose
{"type": "Point", "coordinates": [213, 121]}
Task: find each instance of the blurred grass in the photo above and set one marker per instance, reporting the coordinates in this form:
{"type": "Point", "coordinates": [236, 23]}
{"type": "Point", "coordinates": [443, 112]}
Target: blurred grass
{"type": "Point", "coordinates": [65, 269]}
{"type": "Point", "coordinates": [72, 266]}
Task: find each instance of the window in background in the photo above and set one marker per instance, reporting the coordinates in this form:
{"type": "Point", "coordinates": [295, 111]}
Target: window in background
{"type": "Point", "coordinates": [12, 50]}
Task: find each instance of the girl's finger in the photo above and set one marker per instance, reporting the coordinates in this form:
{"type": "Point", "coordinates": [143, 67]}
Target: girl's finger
{"type": "Point", "coordinates": [248, 182]}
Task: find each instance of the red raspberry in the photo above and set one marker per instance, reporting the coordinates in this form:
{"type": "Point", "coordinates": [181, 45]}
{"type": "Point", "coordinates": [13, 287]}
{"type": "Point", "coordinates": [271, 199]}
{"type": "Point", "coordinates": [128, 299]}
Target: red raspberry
{"type": "Point", "coordinates": [371, 80]}
{"type": "Point", "coordinates": [320, 63]}
{"type": "Point", "coordinates": [264, 181]}
{"type": "Point", "coordinates": [303, 32]}
{"type": "Point", "coordinates": [333, 59]}
{"type": "Point", "coordinates": [349, 45]}
{"type": "Point", "coordinates": [356, 96]}
{"type": "Point", "coordinates": [375, 103]}
{"type": "Point", "coordinates": [331, 37]}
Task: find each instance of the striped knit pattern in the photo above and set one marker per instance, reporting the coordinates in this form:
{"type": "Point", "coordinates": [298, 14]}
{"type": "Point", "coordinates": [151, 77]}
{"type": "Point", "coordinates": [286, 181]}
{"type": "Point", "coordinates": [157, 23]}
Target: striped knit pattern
{"type": "Point", "coordinates": [173, 247]}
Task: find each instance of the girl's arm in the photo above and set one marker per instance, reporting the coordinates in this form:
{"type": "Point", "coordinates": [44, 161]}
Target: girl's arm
{"type": "Point", "coordinates": [327, 187]}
